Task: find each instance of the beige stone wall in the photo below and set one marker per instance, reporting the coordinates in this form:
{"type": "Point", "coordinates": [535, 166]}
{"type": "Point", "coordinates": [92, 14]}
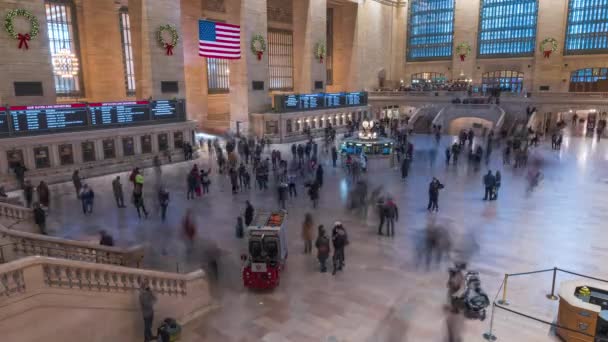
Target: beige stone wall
{"type": "Point", "coordinates": [21, 65]}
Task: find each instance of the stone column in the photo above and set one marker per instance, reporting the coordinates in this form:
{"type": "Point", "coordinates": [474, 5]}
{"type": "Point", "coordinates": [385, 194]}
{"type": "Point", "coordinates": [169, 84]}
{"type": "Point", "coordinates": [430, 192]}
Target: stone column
{"type": "Point", "coordinates": [21, 65]}
{"type": "Point", "coordinates": [466, 18]}
{"type": "Point", "coordinates": [194, 65]}
{"type": "Point", "coordinates": [552, 17]}
{"type": "Point", "coordinates": [345, 58]}
{"type": "Point", "coordinates": [152, 65]}
{"type": "Point", "coordinates": [101, 50]}
{"type": "Point", "coordinates": [251, 14]}
{"type": "Point", "coordinates": [310, 24]}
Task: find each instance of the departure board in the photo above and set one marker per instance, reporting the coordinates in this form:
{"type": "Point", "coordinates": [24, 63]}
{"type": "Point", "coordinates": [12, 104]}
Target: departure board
{"type": "Point", "coordinates": [295, 102]}
{"type": "Point", "coordinates": [119, 113]}
{"type": "Point", "coordinates": [291, 102]}
{"type": "Point", "coordinates": [164, 110]}
{"type": "Point", "coordinates": [311, 101]}
{"type": "Point", "coordinates": [334, 100]}
{"type": "Point", "coordinates": [33, 119]}
{"type": "Point", "coordinates": [4, 131]}
{"type": "Point", "coordinates": [354, 99]}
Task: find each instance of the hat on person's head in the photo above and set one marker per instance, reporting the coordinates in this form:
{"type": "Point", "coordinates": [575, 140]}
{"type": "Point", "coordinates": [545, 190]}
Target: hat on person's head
{"type": "Point", "coordinates": [337, 223]}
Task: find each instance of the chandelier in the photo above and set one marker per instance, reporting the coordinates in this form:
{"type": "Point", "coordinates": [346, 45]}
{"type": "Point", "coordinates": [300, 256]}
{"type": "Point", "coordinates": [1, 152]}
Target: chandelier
{"type": "Point", "coordinates": [65, 64]}
{"type": "Point", "coordinates": [366, 133]}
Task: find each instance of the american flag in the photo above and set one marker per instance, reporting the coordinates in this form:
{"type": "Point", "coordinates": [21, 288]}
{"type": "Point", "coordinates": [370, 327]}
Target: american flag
{"type": "Point", "coordinates": [218, 40]}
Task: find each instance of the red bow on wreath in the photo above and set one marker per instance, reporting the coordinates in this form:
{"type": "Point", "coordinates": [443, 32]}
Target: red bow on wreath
{"type": "Point", "coordinates": [23, 38]}
{"type": "Point", "coordinates": [169, 48]}
{"type": "Point", "coordinates": [547, 53]}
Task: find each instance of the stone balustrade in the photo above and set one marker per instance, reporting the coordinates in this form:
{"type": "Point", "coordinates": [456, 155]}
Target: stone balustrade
{"type": "Point", "coordinates": [15, 244]}
{"type": "Point", "coordinates": [15, 211]}
{"type": "Point", "coordinates": [75, 296]}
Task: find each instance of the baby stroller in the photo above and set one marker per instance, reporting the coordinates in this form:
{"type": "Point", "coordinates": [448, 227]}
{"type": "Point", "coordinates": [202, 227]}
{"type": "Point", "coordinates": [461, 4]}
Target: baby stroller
{"type": "Point", "coordinates": [472, 300]}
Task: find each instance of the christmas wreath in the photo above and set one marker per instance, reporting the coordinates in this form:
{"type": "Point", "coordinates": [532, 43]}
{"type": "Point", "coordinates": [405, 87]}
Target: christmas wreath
{"type": "Point", "coordinates": [10, 27]}
{"type": "Point", "coordinates": [258, 45]}
{"type": "Point", "coordinates": [320, 51]}
{"type": "Point", "coordinates": [463, 50]}
{"type": "Point", "coordinates": [174, 38]}
{"type": "Point", "coordinates": [547, 50]}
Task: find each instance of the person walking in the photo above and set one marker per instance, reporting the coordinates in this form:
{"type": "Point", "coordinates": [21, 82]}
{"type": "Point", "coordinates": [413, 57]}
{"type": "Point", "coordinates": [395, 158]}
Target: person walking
{"type": "Point", "coordinates": [163, 200]}
{"type": "Point", "coordinates": [19, 171]}
{"type": "Point", "coordinates": [249, 211]}
{"type": "Point", "coordinates": [448, 155]}
{"type": "Point", "coordinates": [291, 183]}
{"type": "Point", "coordinates": [391, 212]}
{"type": "Point", "coordinates": [340, 240]}
{"type": "Point", "coordinates": [234, 180]}
{"type": "Point", "coordinates": [322, 244]}
{"type": "Point", "coordinates": [40, 218]}
{"type": "Point", "coordinates": [405, 167]}
{"type": "Point", "coordinates": [77, 181]}
{"type": "Point", "coordinates": [319, 175]}
{"type": "Point", "coordinates": [489, 182]}
{"type": "Point", "coordinates": [282, 195]}
{"type": "Point", "coordinates": [307, 227]}
{"type": "Point", "coordinates": [147, 299]}
{"type": "Point", "coordinates": [44, 195]}
{"type": "Point", "coordinates": [28, 193]}
{"type": "Point", "coordinates": [380, 207]}
{"type": "Point", "coordinates": [205, 180]}
{"type": "Point", "coordinates": [117, 190]}
{"type": "Point", "coordinates": [138, 196]}
{"type": "Point", "coordinates": [497, 181]}
{"type": "Point", "coordinates": [434, 188]}
{"type": "Point", "coordinates": [313, 193]}
{"type": "Point", "coordinates": [334, 155]}
{"type": "Point", "coordinates": [86, 197]}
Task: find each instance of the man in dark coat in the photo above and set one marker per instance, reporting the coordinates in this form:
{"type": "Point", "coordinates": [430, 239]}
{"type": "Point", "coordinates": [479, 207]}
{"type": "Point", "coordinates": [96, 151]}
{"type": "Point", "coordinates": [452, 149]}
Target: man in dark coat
{"type": "Point", "coordinates": [334, 155]}
{"type": "Point", "coordinates": [320, 175]}
{"type": "Point", "coordinates": [489, 181]}
{"type": "Point", "coordinates": [248, 214]}
{"type": "Point", "coordinates": [40, 218]}
{"type": "Point", "coordinates": [322, 244]}
{"type": "Point", "coordinates": [434, 188]}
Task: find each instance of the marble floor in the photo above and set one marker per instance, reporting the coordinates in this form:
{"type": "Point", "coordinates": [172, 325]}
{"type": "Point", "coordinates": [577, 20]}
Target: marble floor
{"type": "Point", "coordinates": [381, 295]}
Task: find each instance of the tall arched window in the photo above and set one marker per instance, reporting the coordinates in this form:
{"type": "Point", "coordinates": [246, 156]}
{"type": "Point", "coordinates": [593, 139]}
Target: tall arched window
{"type": "Point", "coordinates": [587, 28]}
{"type": "Point", "coordinates": [589, 80]}
{"type": "Point", "coordinates": [127, 51]}
{"type": "Point", "coordinates": [63, 44]}
{"type": "Point", "coordinates": [428, 77]}
{"type": "Point", "coordinates": [507, 28]}
{"type": "Point", "coordinates": [430, 29]}
{"type": "Point", "coordinates": [505, 80]}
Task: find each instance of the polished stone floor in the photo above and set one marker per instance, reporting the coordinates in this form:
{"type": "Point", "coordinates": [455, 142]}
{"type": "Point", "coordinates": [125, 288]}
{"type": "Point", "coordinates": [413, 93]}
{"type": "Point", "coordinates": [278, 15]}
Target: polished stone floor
{"type": "Point", "coordinates": [381, 295]}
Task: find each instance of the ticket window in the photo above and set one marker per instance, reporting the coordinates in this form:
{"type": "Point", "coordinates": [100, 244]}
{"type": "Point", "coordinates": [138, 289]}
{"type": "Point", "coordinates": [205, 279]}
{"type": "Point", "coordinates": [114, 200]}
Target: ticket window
{"type": "Point", "coordinates": [178, 140]}
{"type": "Point", "coordinates": [298, 124]}
{"type": "Point", "coordinates": [41, 157]}
{"type": "Point", "coordinates": [88, 151]}
{"type": "Point", "coordinates": [288, 126]}
{"type": "Point", "coordinates": [66, 154]}
{"type": "Point", "coordinates": [109, 150]}
{"type": "Point", "coordinates": [146, 144]}
{"type": "Point", "coordinates": [15, 158]}
{"type": "Point", "coordinates": [272, 127]}
{"type": "Point", "coordinates": [313, 123]}
{"type": "Point", "coordinates": [334, 120]}
{"type": "Point", "coordinates": [163, 142]}
{"type": "Point", "coordinates": [128, 147]}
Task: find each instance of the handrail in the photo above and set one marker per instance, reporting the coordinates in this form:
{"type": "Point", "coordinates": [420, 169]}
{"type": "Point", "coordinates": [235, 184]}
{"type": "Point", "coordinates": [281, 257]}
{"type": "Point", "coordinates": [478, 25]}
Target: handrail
{"type": "Point", "coordinates": [15, 211]}
{"type": "Point", "coordinates": [28, 244]}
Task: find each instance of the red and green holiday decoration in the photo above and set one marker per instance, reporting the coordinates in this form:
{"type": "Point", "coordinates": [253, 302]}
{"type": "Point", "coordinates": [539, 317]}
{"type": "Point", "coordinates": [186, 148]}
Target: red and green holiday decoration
{"type": "Point", "coordinates": [463, 50]}
{"type": "Point", "coordinates": [258, 46]}
{"type": "Point", "coordinates": [320, 51]}
{"type": "Point", "coordinates": [23, 38]}
{"type": "Point", "coordinates": [547, 46]}
{"type": "Point", "coordinates": [168, 45]}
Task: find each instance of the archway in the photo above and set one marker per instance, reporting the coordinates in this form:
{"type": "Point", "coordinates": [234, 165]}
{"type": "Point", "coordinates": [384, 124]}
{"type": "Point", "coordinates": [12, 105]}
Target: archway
{"type": "Point", "coordinates": [480, 126]}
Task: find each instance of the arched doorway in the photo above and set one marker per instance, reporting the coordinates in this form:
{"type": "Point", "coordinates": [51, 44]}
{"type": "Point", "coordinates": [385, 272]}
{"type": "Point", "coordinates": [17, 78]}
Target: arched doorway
{"type": "Point", "coordinates": [480, 126]}
{"type": "Point", "coordinates": [505, 80]}
{"type": "Point", "coordinates": [589, 80]}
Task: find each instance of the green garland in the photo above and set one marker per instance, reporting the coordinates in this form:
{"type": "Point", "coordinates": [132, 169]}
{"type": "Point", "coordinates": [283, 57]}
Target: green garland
{"type": "Point", "coordinates": [258, 44]}
{"type": "Point", "coordinates": [463, 49]}
{"type": "Point", "coordinates": [10, 28]}
{"type": "Point", "coordinates": [549, 40]}
{"type": "Point", "coordinates": [174, 35]}
{"type": "Point", "coordinates": [320, 50]}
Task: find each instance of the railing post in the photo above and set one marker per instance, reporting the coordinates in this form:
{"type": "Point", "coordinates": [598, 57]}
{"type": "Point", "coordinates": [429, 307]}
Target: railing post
{"type": "Point", "coordinates": [488, 335]}
{"type": "Point", "coordinates": [552, 295]}
{"type": "Point", "coordinates": [504, 300]}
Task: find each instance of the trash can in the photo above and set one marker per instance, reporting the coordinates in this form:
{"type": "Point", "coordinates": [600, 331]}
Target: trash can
{"type": "Point", "coordinates": [169, 331]}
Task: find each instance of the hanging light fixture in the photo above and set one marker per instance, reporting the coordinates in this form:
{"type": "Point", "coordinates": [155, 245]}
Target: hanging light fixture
{"type": "Point", "coordinates": [65, 64]}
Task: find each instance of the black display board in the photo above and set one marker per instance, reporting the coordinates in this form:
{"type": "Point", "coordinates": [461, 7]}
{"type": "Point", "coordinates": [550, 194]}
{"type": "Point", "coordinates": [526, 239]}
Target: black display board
{"type": "Point", "coordinates": [4, 127]}
{"type": "Point", "coordinates": [41, 119]}
{"type": "Point", "coordinates": [302, 102]}
{"type": "Point", "coordinates": [119, 113]}
{"type": "Point", "coordinates": [165, 110]}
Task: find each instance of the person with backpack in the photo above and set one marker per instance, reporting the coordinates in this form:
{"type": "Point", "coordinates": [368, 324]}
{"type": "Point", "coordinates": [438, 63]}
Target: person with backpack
{"type": "Point", "coordinates": [340, 241]}
{"type": "Point", "coordinates": [322, 244]}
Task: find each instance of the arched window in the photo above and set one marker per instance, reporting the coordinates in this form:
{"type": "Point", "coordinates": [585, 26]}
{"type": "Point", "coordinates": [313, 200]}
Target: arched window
{"type": "Point", "coordinates": [507, 28]}
{"type": "Point", "coordinates": [63, 44]}
{"type": "Point", "coordinates": [589, 80]}
{"type": "Point", "coordinates": [586, 28]}
{"type": "Point", "coordinates": [428, 77]}
{"type": "Point", "coordinates": [430, 29]}
{"type": "Point", "coordinates": [505, 80]}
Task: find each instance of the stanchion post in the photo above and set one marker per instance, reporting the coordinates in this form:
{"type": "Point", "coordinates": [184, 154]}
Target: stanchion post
{"type": "Point", "coordinates": [504, 300]}
{"type": "Point", "coordinates": [552, 295]}
{"type": "Point", "coordinates": [489, 336]}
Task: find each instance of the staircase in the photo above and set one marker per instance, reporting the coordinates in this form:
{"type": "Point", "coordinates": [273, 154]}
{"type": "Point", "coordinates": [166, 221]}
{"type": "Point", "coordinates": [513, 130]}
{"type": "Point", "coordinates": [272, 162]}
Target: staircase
{"type": "Point", "coordinates": [80, 291]}
{"type": "Point", "coordinates": [421, 120]}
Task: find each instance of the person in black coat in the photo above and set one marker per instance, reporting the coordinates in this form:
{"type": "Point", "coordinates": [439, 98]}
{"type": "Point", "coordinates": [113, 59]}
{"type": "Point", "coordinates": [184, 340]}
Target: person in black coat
{"type": "Point", "coordinates": [334, 155]}
{"type": "Point", "coordinates": [248, 214]}
{"type": "Point", "coordinates": [320, 175]}
{"type": "Point", "coordinates": [106, 239]}
{"type": "Point", "coordinates": [340, 240]}
{"type": "Point", "coordinates": [434, 188]}
{"type": "Point", "coordinates": [40, 218]}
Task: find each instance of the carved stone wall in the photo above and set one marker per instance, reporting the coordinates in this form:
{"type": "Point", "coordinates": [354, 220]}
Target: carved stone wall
{"type": "Point", "coordinates": [280, 11]}
{"type": "Point", "coordinates": [214, 6]}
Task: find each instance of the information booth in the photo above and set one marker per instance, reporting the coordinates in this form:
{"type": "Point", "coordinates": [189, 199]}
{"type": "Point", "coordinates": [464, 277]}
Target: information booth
{"type": "Point", "coordinates": [51, 141]}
